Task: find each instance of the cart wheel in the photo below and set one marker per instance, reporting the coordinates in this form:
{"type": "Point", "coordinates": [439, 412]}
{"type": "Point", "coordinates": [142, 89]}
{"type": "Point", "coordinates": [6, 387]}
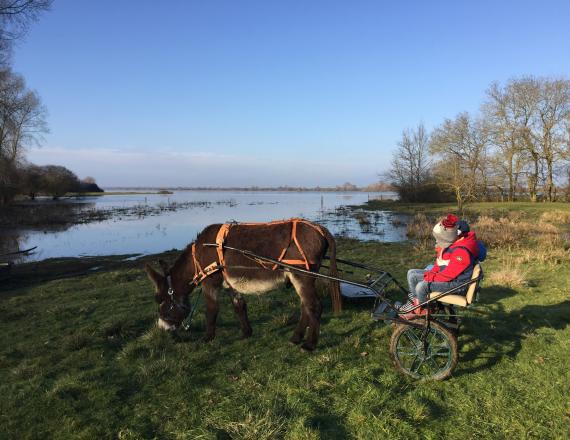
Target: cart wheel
{"type": "Point", "coordinates": [424, 354]}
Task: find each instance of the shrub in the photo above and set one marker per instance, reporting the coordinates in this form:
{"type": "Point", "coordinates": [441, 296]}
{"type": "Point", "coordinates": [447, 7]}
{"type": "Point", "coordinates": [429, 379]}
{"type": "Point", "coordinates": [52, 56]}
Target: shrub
{"type": "Point", "coordinates": [420, 228]}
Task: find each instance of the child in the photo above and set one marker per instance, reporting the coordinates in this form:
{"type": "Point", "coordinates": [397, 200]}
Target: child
{"type": "Point", "coordinates": [457, 251]}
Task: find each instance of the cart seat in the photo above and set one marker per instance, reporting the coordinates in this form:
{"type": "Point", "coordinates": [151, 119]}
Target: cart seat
{"type": "Point", "coordinates": [460, 300]}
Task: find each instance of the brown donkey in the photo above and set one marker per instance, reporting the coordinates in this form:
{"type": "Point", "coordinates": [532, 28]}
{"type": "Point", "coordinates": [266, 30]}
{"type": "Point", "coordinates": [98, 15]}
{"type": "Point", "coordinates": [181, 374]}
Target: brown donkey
{"type": "Point", "coordinates": [295, 241]}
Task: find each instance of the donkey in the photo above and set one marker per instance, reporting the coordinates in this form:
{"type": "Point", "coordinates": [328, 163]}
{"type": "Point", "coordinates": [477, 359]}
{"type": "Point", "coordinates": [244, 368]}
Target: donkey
{"type": "Point", "coordinates": [294, 241]}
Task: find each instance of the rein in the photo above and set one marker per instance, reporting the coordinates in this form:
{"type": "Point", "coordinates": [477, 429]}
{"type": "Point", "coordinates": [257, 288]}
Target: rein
{"type": "Point", "coordinates": [188, 320]}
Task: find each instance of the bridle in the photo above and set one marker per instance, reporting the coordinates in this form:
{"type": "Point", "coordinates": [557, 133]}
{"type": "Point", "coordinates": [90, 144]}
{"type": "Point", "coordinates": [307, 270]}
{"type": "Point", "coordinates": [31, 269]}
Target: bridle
{"type": "Point", "coordinates": [174, 303]}
{"type": "Point", "coordinates": [178, 306]}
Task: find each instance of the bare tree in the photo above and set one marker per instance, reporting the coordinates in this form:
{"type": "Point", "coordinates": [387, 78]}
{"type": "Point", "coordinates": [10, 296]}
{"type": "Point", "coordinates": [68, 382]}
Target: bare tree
{"type": "Point", "coordinates": [22, 124]}
{"type": "Point", "coordinates": [410, 168]}
{"type": "Point", "coordinates": [553, 116]}
{"type": "Point", "coordinates": [89, 180]}
{"type": "Point", "coordinates": [461, 147]}
{"type": "Point", "coordinates": [529, 119]}
{"type": "Point", "coordinates": [22, 117]}
{"type": "Point", "coordinates": [525, 93]}
{"type": "Point", "coordinates": [503, 116]}
{"type": "Point", "coordinates": [15, 19]}
{"type": "Point", "coordinates": [31, 180]}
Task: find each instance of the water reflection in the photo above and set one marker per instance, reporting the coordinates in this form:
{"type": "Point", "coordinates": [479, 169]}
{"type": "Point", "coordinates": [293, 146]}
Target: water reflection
{"type": "Point", "coordinates": [155, 223]}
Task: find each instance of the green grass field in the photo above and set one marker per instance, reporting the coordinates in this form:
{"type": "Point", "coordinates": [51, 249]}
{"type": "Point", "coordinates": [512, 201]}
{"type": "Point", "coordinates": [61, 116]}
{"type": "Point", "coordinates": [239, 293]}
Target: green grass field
{"type": "Point", "coordinates": [81, 357]}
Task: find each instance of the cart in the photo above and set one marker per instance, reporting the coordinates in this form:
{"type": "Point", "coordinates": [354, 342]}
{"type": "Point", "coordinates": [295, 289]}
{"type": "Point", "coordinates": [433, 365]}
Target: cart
{"type": "Point", "coordinates": [424, 348]}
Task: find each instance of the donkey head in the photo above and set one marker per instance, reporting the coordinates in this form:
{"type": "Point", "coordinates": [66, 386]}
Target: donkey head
{"type": "Point", "coordinates": [172, 307]}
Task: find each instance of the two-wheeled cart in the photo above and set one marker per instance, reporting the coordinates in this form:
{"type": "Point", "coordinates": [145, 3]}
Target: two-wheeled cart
{"type": "Point", "coordinates": [421, 348]}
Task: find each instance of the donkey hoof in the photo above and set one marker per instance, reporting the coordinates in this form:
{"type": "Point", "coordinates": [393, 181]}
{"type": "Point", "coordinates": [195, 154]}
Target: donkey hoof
{"type": "Point", "coordinates": [295, 340]}
{"type": "Point", "coordinates": [306, 347]}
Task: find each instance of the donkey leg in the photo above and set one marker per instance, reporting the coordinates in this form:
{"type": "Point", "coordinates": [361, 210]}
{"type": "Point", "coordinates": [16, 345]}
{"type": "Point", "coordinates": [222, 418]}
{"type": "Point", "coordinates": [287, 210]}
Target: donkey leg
{"type": "Point", "coordinates": [212, 309]}
{"type": "Point", "coordinates": [240, 307]}
{"type": "Point", "coordinates": [314, 309]}
{"type": "Point", "coordinates": [310, 309]}
{"type": "Point", "coordinates": [299, 332]}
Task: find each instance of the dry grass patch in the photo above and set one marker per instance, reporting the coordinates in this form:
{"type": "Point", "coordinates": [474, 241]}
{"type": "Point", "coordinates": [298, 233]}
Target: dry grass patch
{"type": "Point", "coordinates": [514, 231]}
{"type": "Point", "coordinates": [548, 254]}
{"type": "Point", "coordinates": [512, 277]}
{"type": "Point", "coordinates": [420, 228]}
{"type": "Point", "coordinates": [556, 217]}
{"type": "Point", "coordinates": [503, 231]}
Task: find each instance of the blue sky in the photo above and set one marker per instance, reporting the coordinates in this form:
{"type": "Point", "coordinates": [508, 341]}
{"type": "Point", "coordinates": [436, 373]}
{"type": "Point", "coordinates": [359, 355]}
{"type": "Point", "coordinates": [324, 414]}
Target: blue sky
{"type": "Point", "coordinates": [221, 93]}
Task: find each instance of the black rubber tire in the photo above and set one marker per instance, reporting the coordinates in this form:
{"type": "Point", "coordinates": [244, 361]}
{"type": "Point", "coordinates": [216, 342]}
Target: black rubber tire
{"type": "Point", "coordinates": [447, 341]}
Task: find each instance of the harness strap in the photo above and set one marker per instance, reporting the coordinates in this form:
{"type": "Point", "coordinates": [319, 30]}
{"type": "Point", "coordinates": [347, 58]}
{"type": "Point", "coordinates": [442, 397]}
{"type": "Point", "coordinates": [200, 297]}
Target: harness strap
{"type": "Point", "coordinates": [301, 251]}
{"type": "Point", "coordinates": [201, 274]}
{"type": "Point", "coordinates": [220, 240]}
{"type": "Point", "coordinates": [281, 255]}
{"type": "Point", "coordinates": [284, 251]}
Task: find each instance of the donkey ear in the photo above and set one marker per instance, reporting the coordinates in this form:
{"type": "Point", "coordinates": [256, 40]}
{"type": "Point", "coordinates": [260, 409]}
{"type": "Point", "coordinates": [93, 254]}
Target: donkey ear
{"type": "Point", "coordinates": [163, 266]}
{"type": "Point", "coordinates": [153, 275]}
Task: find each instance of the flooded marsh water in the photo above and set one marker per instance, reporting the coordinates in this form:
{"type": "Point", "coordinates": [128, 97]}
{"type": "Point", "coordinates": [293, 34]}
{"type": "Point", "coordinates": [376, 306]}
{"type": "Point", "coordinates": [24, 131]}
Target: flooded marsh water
{"type": "Point", "coordinates": [152, 223]}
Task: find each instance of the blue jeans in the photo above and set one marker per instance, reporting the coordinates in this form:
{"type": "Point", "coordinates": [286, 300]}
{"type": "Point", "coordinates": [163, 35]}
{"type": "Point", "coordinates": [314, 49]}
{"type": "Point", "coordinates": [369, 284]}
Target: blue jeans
{"type": "Point", "coordinates": [424, 287]}
{"type": "Point", "coordinates": [415, 276]}
{"type": "Point", "coordinates": [419, 288]}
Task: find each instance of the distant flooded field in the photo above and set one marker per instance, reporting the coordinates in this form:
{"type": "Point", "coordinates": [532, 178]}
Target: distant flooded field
{"type": "Point", "coordinates": [152, 223]}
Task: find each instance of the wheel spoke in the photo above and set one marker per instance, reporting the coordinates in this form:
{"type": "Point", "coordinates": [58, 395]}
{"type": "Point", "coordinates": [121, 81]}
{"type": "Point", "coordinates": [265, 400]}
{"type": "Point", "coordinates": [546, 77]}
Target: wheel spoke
{"type": "Point", "coordinates": [424, 353]}
{"type": "Point", "coordinates": [432, 360]}
{"type": "Point", "coordinates": [408, 353]}
{"type": "Point", "coordinates": [441, 353]}
{"type": "Point", "coordinates": [436, 340]}
{"type": "Point", "coordinates": [411, 341]}
{"type": "Point", "coordinates": [419, 365]}
{"type": "Point", "coordinates": [413, 337]}
{"type": "Point", "coordinates": [438, 348]}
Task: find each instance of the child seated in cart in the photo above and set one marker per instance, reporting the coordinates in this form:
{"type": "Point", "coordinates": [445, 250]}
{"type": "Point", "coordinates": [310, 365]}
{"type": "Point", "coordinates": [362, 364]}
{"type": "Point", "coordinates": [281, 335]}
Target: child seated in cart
{"type": "Point", "coordinates": [457, 251]}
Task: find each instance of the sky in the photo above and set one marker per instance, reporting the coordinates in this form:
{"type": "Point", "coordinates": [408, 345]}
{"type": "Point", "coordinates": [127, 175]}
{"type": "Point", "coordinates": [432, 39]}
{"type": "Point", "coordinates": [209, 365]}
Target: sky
{"type": "Point", "coordinates": [269, 93]}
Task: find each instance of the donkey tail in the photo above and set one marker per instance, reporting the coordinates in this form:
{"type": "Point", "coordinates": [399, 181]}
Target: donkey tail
{"type": "Point", "coordinates": [334, 286]}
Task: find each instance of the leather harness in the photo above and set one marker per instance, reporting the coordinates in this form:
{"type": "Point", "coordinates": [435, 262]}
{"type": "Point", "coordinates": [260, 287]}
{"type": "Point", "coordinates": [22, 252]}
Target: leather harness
{"type": "Point", "coordinates": [201, 274]}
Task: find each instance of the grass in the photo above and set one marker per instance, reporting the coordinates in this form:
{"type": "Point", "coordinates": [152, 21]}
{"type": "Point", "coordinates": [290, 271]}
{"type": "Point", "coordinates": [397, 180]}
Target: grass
{"type": "Point", "coordinates": [80, 357]}
{"type": "Point", "coordinates": [495, 209]}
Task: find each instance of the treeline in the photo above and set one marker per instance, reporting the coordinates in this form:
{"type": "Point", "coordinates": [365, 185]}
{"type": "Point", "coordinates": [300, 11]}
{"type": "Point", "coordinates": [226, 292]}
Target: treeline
{"type": "Point", "coordinates": [23, 117]}
{"type": "Point", "coordinates": [517, 147]}
{"type": "Point", "coordinates": [52, 180]}
{"type": "Point", "coordinates": [31, 180]}
{"type": "Point", "coordinates": [375, 187]}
